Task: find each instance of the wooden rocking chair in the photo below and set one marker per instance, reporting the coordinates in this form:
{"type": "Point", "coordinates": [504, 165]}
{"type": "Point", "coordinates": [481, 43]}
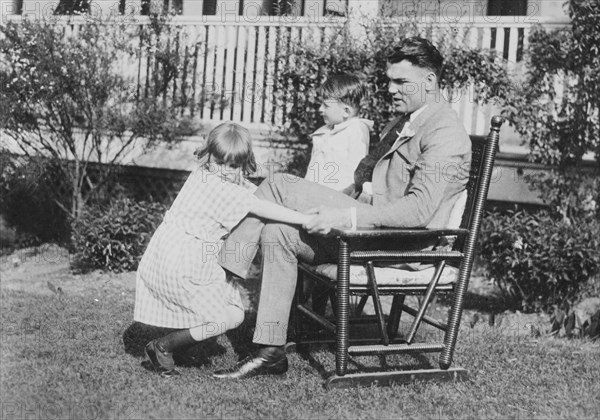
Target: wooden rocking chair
{"type": "Point", "coordinates": [359, 272]}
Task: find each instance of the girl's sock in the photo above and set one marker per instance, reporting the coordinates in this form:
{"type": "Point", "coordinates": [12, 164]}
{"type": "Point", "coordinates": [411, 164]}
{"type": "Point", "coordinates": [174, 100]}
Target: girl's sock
{"type": "Point", "coordinates": [175, 340]}
{"type": "Point", "coordinates": [207, 330]}
{"type": "Point", "coordinates": [212, 329]}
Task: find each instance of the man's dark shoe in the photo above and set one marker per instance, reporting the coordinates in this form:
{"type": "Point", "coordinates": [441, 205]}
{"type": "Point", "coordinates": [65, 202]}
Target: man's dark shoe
{"type": "Point", "coordinates": [262, 362]}
{"type": "Point", "coordinates": [162, 361]}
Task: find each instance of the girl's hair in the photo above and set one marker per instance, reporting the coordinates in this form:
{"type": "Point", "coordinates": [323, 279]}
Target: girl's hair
{"type": "Point", "coordinates": [229, 144]}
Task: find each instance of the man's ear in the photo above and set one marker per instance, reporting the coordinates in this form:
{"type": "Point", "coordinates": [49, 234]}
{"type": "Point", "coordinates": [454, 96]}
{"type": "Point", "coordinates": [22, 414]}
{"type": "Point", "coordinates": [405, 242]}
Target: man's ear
{"type": "Point", "coordinates": [431, 82]}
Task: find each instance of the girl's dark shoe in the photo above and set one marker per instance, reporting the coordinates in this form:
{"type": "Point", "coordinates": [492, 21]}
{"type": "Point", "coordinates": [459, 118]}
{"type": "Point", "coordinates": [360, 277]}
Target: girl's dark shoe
{"type": "Point", "coordinates": [162, 361]}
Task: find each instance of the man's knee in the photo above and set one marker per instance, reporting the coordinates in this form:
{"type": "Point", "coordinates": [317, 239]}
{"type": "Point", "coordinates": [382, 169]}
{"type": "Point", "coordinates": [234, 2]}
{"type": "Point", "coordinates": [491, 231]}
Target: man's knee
{"type": "Point", "coordinates": [278, 232]}
{"type": "Point", "coordinates": [279, 181]}
{"type": "Point", "coordinates": [281, 178]}
{"type": "Point", "coordinates": [279, 240]}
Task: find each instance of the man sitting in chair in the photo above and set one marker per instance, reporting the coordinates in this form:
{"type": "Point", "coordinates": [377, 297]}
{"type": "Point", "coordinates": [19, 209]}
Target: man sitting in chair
{"type": "Point", "coordinates": [412, 179]}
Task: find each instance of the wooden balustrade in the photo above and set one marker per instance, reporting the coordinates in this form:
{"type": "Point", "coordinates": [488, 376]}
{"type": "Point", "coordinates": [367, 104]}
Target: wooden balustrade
{"type": "Point", "coordinates": [229, 68]}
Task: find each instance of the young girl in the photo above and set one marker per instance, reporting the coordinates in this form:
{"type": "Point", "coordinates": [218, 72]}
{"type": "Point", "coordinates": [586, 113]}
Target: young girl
{"type": "Point", "coordinates": [179, 283]}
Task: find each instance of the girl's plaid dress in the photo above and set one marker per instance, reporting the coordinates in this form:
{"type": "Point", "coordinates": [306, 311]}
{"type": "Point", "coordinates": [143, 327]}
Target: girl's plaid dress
{"type": "Point", "coordinates": [179, 283]}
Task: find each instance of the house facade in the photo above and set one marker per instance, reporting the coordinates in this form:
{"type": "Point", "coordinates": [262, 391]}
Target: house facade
{"type": "Point", "coordinates": [528, 10]}
{"type": "Point", "coordinates": [235, 41]}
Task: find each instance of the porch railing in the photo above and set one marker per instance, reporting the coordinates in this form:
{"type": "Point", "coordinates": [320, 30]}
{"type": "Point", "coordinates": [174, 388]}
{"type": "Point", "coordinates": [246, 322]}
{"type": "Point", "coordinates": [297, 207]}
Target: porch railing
{"type": "Point", "coordinates": [230, 67]}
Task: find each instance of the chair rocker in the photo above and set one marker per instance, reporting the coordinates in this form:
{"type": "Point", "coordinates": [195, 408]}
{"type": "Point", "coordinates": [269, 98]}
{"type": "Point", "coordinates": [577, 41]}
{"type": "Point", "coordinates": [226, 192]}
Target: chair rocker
{"type": "Point", "coordinates": [359, 272]}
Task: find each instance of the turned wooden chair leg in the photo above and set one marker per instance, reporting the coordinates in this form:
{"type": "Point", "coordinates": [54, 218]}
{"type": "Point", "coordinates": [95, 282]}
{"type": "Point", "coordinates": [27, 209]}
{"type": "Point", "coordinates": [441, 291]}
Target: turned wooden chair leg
{"type": "Point", "coordinates": [395, 313]}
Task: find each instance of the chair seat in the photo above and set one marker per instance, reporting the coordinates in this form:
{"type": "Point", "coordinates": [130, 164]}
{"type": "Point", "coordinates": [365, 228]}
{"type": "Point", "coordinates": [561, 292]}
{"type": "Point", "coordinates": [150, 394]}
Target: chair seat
{"type": "Point", "coordinates": [388, 276]}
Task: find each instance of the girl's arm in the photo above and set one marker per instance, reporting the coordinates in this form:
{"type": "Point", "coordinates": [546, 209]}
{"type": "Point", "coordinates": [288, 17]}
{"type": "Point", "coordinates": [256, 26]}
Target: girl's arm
{"type": "Point", "coordinates": [270, 210]}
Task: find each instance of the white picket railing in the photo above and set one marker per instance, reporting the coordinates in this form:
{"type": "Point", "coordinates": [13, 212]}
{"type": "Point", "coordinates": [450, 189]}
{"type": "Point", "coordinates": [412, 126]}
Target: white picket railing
{"type": "Point", "coordinates": [233, 62]}
{"type": "Point", "coordinates": [237, 66]}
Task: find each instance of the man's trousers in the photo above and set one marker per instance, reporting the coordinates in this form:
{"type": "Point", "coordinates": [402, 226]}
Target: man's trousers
{"type": "Point", "coordinates": [282, 246]}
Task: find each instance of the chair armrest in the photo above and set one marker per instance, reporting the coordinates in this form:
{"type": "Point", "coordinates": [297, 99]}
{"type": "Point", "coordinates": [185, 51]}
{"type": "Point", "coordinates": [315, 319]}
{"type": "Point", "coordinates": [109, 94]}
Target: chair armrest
{"type": "Point", "coordinates": [395, 233]}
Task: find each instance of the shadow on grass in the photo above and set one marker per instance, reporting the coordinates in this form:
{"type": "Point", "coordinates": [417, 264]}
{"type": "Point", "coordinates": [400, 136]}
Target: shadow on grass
{"type": "Point", "coordinates": [492, 304]}
{"type": "Point", "coordinates": [241, 337]}
{"type": "Point", "coordinates": [321, 355]}
{"type": "Point", "coordinates": [137, 335]}
{"type": "Point", "coordinates": [324, 363]}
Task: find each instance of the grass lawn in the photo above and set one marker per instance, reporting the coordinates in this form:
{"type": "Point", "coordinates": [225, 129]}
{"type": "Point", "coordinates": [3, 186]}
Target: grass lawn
{"type": "Point", "coordinates": [69, 350]}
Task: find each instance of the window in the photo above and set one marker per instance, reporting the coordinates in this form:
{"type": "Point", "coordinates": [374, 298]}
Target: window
{"type": "Point", "coordinates": [210, 7]}
{"type": "Point", "coordinates": [18, 4]}
{"type": "Point", "coordinates": [149, 6]}
{"type": "Point", "coordinates": [507, 7]}
{"type": "Point", "coordinates": [264, 7]}
{"type": "Point", "coordinates": [72, 7]}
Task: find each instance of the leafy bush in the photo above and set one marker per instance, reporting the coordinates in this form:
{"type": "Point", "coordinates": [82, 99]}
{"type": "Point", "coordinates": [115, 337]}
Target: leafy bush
{"type": "Point", "coordinates": [562, 125]}
{"type": "Point", "coordinates": [552, 258]}
{"type": "Point", "coordinates": [571, 194]}
{"type": "Point", "coordinates": [27, 199]}
{"type": "Point", "coordinates": [115, 237]}
{"type": "Point", "coordinates": [540, 261]}
{"type": "Point", "coordinates": [67, 95]}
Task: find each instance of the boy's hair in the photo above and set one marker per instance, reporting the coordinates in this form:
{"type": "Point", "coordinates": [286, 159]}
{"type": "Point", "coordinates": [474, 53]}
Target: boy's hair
{"type": "Point", "coordinates": [345, 88]}
{"type": "Point", "coordinates": [231, 144]}
{"type": "Point", "coordinates": [419, 52]}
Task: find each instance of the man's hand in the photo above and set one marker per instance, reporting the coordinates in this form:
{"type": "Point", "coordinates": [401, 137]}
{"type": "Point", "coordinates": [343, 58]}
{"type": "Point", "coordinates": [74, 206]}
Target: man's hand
{"type": "Point", "coordinates": [327, 218]}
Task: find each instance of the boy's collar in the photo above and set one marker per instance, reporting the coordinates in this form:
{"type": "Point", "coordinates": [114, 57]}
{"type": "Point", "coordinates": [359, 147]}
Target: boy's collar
{"type": "Point", "coordinates": [341, 126]}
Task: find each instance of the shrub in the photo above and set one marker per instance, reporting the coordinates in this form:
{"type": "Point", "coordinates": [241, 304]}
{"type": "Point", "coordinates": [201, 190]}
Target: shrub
{"type": "Point", "coordinates": [538, 260]}
{"type": "Point", "coordinates": [570, 194]}
{"type": "Point", "coordinates": [561, 122]}
{"type": "Point", "coordinates": [27, 199]}
{"type": "Point", "coordinates": [67, 95]}
{"type": "Point", "coordinates": [114, 237]}
{"type": "Point", "coordinates": [552, 258]}
{"type": "Point", "coordinates": [549, 260]}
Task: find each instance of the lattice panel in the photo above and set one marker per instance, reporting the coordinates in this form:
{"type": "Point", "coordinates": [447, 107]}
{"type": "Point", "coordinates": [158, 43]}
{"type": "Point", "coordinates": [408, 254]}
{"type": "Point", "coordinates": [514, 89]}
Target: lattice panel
{"type": "Point", "coordinates": [151, 184]}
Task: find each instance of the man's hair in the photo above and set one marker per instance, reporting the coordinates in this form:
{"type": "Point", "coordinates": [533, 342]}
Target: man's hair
{"type": "Point", "coordinates": [419, 52]}
{"type": "Point", "coordinates": [345, 88]}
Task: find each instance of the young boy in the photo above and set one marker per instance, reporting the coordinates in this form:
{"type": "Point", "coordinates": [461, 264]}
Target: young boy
{"type": "Point", "coordinates": [343, 141]}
